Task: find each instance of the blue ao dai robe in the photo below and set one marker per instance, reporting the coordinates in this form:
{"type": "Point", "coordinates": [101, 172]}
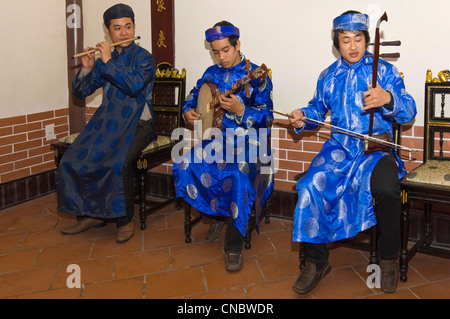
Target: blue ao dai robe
{"type": "Point", "coordinates": [222, 186]}
{"type": "Point", "coordinates": [335, 200]}
{"type": "Point", "coordinates": [89, 176]}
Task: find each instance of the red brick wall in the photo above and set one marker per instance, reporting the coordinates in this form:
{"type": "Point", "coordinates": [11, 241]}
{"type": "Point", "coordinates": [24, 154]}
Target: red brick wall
{"type": "Point", "coordinates": [24, 150]}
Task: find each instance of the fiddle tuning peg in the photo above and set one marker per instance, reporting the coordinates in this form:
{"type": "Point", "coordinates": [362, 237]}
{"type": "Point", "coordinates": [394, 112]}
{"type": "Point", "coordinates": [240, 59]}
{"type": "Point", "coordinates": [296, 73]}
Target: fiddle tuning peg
{"type": "Point", "coordinates": [386, 55]}
{"type": "Point", "coordinates": [389, 43]}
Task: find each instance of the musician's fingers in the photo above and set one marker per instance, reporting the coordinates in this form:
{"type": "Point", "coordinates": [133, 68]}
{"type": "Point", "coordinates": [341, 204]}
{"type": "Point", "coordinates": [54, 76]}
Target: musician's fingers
{"type": "Point", "coordinates": [298, 115]}
{"type": "Point", "coordinates": [194, 114]}
{"type": "Point", "coordinates": [225, 102]}
{"type": "Point", "coordinates": [102, 44]}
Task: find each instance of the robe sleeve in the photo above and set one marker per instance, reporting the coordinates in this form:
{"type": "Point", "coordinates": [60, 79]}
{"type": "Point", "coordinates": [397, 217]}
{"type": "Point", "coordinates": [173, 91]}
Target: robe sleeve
{"type": "Point", "coordinates": [316, 109]}
{"type": "Point", "coordinates": [257, 109]}
{"type": "Point", "coordinates": [84, 85]}
{"type": "Point", "coordinates": [404, 107]}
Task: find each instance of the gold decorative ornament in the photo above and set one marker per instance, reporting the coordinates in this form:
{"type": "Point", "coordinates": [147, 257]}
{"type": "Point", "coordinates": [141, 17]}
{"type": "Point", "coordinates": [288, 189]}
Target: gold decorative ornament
{"type": "Point", "coordinates": [444, 75]}
{"type": "Point", "coordinates": [160, 4]}
{"type": "Point", "coordinates": [161, 39]}
{"type": "Point", "coordinates": [429, 76]}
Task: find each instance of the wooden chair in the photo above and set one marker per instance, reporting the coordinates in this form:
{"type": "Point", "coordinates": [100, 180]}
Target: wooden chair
{"type": "Point", "coordinates": [168, 99]}
{"type": "Point", "coordinates": [430, 182]}
{"type": "Point", "coordinates": [359, 241]}
{"type": "Point", "coordinates": [190, 221]}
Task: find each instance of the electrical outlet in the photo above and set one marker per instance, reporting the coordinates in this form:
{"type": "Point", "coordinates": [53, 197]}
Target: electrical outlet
{"type": "Point", "coordinates": [50, 132]}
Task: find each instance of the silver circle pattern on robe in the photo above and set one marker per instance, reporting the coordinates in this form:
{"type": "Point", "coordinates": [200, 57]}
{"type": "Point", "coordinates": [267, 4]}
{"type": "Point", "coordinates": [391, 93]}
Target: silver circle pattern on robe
{"type": "Point", "coordinates": [244, 168]}
{"type": "Point", "coordinates": [192, 191]}
{"type": "Point", "coordinates": [234, 210]}
{"type": "Point", "coordinates": [304, 198]}
{"type": "Point", "coordinates": [214, 204]}
{"type": "Point", "coordinates": [227, 184]}
{"type": "Point", "coordinates": [206, 180]}
{"type": "Point", "coordinates": [312, 227]}
{"type": "Point", "coordinates": [221, 165]}
{"type": "Point", "coordinates": [338, 155]}
{"type": "Point", "coordinates": [320, 181]}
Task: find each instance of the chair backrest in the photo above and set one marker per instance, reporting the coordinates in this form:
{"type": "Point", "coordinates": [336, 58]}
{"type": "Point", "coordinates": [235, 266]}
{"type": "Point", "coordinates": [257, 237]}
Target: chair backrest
{"type": "Point", "coordinates": [436, 122]}
{"type": "Point", "coordinates": [168, 98]}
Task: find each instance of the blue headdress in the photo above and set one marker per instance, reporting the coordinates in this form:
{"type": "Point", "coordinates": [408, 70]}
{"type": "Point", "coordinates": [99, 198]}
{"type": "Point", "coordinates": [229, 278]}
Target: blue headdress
{"type": "Point", "coordinates": [351, 22]}
{"type": "Point", "coordinates": [221, 32]}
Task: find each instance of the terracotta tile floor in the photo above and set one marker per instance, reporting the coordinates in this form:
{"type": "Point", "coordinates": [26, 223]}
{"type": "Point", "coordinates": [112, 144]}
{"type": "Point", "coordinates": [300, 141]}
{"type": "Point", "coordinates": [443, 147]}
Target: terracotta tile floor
{"type": "Point", "coordinates": [157, 263]}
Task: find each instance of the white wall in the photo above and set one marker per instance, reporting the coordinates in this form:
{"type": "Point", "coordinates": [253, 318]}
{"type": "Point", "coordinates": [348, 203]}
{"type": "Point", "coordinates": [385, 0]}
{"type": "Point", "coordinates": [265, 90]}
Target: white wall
{"type": "Point", "coordinates": [293, 38]}
{"type": "Point", "coordinates": [33, 58]}
{"type": "Point", "coordinates": [33, 67]}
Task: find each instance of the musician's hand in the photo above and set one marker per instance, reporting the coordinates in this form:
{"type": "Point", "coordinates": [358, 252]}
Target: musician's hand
{"type": "Point", "coordinates": [375, 98]}
{"type": "Point", "coordinates": [298, 120]}
{"type": "Point", "coordinates": [191, 116]}
{"type": "Point", "coordinates": [231, 104]}
{"type": "Point", "coordinates": [105, 50]}
{"type": "Point", "coordinates": [88, 61]}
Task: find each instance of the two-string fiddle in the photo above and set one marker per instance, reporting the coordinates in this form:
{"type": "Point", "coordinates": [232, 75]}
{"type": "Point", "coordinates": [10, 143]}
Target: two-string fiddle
{"type": "Point", "coordinates": [372, 143]}
{"type": "Point", "coordinates": [369, 144]}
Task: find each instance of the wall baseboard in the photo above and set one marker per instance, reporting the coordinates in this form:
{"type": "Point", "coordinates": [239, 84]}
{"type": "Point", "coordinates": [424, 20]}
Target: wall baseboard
{"type": "Point", "coordinates": [27, 188]}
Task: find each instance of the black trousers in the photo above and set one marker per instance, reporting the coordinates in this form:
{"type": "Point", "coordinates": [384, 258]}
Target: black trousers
{"type": "Point", "coordinates": [233, 238]}
{"type": "Point", "coordinates": [144, 135]}
{"type": "Point", "coordinates": [386, 190]}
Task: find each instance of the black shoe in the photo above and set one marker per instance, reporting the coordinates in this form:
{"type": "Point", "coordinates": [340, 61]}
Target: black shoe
{"type": "Point", "coordinates": [233, 260]}
{"type": "Point", "coordinates": [310, 277]}
{"type": "Point", "coordinates": [215, 227]}
{"type": "Point", "coordinates": [389, 275]}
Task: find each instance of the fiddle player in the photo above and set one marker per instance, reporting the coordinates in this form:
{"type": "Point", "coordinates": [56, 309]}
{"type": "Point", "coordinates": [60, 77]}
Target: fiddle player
{"type": "Point", "coordinates": [221, 189]}
{"type": "Point", "coordinates": [335, 197]}
{"type": "Point", "coordinates": [95, 176]}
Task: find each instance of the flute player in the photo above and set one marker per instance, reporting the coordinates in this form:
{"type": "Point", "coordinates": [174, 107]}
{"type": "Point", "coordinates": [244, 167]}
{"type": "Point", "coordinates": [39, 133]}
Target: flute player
{"type": "Point", "coordinates": [95, 177]}
{"type": "Point", "coordinates": [335, 195]}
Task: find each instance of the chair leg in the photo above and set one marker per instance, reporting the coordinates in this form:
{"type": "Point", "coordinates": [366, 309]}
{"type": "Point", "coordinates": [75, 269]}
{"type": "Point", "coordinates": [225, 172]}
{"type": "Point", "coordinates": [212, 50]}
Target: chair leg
{"type": "Point", "coordinates": [267, 206]}
{"type": "Point", "coordinates": [373, 259]}
{"type": "Point", "coordinates": [251, 226]}
{"type": "Point", "coordinates": [142, 213]}
{"type": "Point", "coordinates": [248, 239]}
{"type": "Point", "coordinates": [302, 255]}
{"type": "Point", "coordinates": [404, 227]}
{"type": "Point", "coordinates": [187, 222]}
{"type": "Point", "coordinates": [427, 225]}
